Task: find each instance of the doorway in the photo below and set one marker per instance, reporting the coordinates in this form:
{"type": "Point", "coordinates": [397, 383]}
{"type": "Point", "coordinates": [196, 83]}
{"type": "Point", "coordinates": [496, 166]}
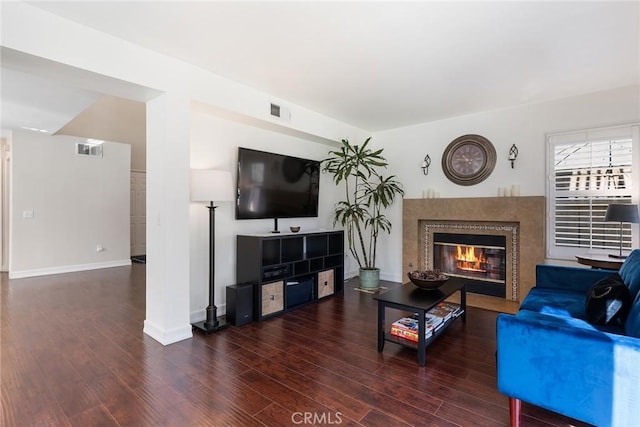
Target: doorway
{"type": "Point", "coordinates": [4, 203]}
{"type": "Point", "coordinates": [138, 210]}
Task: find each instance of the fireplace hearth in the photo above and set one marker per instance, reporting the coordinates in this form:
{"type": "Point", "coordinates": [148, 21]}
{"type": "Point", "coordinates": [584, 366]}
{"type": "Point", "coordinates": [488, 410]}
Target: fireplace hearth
{"type": "Point", "coordinates": [479, 260]}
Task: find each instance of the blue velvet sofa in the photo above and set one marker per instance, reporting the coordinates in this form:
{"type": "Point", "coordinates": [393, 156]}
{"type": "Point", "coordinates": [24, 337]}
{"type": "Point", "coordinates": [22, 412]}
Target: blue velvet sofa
{"type": "Point", "coordinates": [550, 356]}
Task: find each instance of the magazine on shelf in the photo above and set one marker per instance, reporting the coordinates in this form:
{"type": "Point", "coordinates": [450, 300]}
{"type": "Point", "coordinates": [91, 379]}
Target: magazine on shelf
{"type": "Point", "coordinates": [407, 327]}
{"type": "Point", "coordinates": [408, 335]}
{"type": "Point", "coordinates": [408, 323]}
{"type": "Point", "coordinates": [430, 319]}
{"type": "Point", "coordinates": [454, 308]}
{"type": "Point", "coordinates": [440, 312]}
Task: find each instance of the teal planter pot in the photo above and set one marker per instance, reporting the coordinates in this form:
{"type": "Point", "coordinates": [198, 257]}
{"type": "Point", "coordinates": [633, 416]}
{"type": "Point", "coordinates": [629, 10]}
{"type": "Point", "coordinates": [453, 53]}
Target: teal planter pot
{"type": "Point", "coordinates": [370, 278]}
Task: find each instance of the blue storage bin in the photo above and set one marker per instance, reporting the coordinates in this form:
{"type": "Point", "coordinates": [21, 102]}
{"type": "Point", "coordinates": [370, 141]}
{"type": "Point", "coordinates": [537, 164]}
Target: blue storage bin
{"type": "Point", "coordinates": [299, 291]}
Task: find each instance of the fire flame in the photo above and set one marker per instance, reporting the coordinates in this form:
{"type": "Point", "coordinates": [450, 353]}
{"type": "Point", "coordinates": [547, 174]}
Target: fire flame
{"type": "Point", "coordinates": [467, 259]}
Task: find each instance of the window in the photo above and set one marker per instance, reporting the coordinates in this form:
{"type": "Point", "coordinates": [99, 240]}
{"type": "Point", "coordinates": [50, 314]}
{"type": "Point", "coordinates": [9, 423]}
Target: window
{"type": "Point", "coordinates": [588, 171]}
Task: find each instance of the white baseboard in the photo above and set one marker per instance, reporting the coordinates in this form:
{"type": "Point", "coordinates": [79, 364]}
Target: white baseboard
{"type": "Point", "coordinates": [67, 269]}
{"type": "Point", "coordinates": [166, 337]}
{"type": "Point", "coordinates": [351, 274]}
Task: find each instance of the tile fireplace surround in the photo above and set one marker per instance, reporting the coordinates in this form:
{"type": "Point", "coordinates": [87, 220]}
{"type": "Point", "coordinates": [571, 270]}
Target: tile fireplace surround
{"type": "Point", "coordinates": [520, 219]}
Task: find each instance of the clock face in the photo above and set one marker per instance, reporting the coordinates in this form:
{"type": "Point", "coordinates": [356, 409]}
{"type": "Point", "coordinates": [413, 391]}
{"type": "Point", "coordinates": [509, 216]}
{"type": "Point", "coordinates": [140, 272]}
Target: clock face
{"type": "Point", "coordinates": [469, 159]}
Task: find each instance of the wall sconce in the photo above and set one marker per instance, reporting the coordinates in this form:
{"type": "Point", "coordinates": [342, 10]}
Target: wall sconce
{"type": "Point", "coordinates": [513, 154]}
{"type": "Point", "coordinates": [425, 164]}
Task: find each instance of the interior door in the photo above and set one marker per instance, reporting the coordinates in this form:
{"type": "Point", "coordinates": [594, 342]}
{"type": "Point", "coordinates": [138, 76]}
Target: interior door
{"type": "Point", "coordinates": [138, 213]}
{"type": "Point", "coordinates": [4, 204]}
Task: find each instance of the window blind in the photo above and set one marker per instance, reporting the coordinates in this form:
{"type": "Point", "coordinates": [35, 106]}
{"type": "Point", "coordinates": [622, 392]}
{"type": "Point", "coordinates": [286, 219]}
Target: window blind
{"type": "Point", "coordinates": [588, 171]}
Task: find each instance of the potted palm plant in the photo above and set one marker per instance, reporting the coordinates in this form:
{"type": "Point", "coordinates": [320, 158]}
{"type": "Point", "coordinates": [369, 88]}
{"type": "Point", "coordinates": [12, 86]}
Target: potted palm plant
{"type": "Point", "coordinates": [367, 194]}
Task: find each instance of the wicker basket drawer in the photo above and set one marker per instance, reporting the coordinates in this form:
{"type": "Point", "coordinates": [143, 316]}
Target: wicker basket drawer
{"type": "Point", "coordinates": [272, 298]}
{"type": "Point", "coordinates": [325, 283]}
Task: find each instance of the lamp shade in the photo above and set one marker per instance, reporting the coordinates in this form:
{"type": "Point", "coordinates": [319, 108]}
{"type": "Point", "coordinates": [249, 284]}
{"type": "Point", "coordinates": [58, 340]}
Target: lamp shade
{"type": "Point", "coordinates": [208, 185]}
{"type": "Point", "coordinates": [622, 213]}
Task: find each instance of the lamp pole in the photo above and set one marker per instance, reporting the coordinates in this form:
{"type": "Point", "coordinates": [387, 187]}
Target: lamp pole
{"type": "Point", "coordinates": [209, 185]}
{"type": "Point", "coordinates": [211, 322]}
{"type": "Point", "coordinates": [620, 254]}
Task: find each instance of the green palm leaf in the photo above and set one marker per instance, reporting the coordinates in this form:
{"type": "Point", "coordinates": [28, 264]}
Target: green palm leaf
{"type": "Point", "coordinates": [367, 193]}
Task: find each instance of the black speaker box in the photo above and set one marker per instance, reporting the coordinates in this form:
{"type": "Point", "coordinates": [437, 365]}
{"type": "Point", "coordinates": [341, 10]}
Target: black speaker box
{"type": "Point", "coordinates": [240, 304]}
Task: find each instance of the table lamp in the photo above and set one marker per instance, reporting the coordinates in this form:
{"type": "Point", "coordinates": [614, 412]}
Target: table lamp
{"type": "Point", "coordinates": [621, 213]}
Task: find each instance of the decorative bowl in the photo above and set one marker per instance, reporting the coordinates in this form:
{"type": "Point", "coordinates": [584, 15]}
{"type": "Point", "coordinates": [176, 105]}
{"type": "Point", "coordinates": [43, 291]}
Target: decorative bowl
{"type": "Point", "coordinates": [295, 229]}
{"type": "Point", "coordinates": [427, 279]}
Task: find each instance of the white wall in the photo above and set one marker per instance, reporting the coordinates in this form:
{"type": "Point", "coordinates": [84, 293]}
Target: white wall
{"type": "Point", "coordinates": [526, 126]}
{"type": "Point", "coordinates": [114, 119]}
{"type": "Point", "coordinates": [214, 145]}
{"type": "Point", "coordinates": [77, 202]}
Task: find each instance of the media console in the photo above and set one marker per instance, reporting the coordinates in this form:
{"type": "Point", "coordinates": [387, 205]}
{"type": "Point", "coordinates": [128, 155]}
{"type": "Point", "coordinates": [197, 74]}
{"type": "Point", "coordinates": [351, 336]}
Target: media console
{"type": "Point", "coordinates": [289, 270]}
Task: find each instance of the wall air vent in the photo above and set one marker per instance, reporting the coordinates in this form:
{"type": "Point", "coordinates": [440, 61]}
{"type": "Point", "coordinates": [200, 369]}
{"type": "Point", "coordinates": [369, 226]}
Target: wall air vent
{"type": "Point", "coordinates": [91, 149]}
{"type": "Point", "coordinates": [280, 112]}
{"type": "Point", "coordinates": [275, 110]}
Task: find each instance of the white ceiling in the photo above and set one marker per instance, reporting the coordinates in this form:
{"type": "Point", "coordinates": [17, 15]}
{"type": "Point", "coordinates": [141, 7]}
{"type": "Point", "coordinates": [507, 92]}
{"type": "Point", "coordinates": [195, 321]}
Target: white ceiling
{"type": "Point", "coordinates": [380, 65]}
{"type": "Point", "coordinates": [29, 101]}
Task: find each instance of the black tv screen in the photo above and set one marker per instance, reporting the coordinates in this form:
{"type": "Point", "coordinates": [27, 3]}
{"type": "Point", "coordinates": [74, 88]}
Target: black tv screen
{"type": "Point", "coordinates": [276, 186]}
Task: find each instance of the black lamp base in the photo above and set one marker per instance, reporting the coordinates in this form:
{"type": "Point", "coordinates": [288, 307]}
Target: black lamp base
{"type": "Point", "coordinates": [617, 256]}
{"type": "Point", "coordinates": [208, 328]}
{"type": "Point", "coordinates": [212, 322]}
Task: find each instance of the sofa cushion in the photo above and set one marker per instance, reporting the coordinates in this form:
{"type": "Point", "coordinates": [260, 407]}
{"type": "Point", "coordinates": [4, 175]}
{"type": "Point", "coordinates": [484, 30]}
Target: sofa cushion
{"type": "Point", "coordinates": [608, 301]}
{"type": "Point", "coordinates": [562, 321]}
{"type": "Point", "coordinates": [577, 279]}
{"type": "Point", "coordinates": [556, 302]}
{"type": "Point", "coordinates": [632, 324]}
{"type": "Point", "coordinates": [630, 272]}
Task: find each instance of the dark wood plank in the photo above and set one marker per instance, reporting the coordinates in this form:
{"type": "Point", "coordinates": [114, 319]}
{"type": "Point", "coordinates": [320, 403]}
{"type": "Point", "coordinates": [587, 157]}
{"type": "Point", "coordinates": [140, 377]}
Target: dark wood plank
{"type": "Point", "coordinates": [343, 404]}
{"type": "Point", "coordinates": [90, 364]}
{"type": "Point", "coordinates": [97, 416]}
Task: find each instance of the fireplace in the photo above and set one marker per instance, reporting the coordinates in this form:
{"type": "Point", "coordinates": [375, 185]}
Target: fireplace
{"type": "Point", "coordinates": [519, 219]}
{"type": "Point", "coordinates": [496, 244]}
{"type": "Point", "coordinates": [479, 260]}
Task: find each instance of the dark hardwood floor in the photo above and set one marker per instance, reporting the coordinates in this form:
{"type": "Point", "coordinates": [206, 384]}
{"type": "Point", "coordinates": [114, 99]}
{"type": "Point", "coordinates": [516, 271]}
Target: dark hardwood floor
{"type": "Point", "coordinates": [73, 353]}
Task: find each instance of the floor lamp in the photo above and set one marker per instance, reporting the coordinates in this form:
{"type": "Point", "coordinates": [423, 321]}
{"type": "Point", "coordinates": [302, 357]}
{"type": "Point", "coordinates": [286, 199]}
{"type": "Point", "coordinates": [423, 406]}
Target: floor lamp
{"type": "Point", "coordinates": [209, 186]}
{"type": "Point", "coordinates": [621, 213]}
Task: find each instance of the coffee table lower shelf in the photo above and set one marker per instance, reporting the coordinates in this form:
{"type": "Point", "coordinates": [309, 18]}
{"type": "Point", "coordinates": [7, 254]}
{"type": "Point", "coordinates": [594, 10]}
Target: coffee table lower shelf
{"type": "Point", "coordinates": [409, 298]}
{"type": "Point", "coordinates": [414, 344]}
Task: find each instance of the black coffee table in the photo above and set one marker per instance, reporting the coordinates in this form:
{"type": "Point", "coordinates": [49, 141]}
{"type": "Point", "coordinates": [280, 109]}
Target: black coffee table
{"type": "Point", "coordinates": [409, 297]}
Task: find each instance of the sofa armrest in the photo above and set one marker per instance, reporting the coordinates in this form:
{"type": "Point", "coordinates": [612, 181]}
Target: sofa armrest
{"type": "Point", "coordinates": [568, 278]}
{"type": "Point", "coordinates": [567, 366]}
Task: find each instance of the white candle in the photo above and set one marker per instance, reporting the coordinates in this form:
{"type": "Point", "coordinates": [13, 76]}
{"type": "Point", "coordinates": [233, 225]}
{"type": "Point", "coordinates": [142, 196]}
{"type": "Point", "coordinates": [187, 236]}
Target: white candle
{"type": "Point", "coordinates": [500, 191]}
{"type": "Point", "coordinates": [515, 190]}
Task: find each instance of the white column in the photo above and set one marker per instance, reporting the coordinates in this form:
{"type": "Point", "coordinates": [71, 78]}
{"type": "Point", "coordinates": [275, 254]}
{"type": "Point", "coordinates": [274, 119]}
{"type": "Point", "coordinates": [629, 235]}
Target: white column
{"type": "Point", "coordinates": [168, 142]}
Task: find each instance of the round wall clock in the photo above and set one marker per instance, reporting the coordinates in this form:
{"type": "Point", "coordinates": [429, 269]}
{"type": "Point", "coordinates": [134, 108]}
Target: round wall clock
{"type": "Point", "coordinates": [469, 159]}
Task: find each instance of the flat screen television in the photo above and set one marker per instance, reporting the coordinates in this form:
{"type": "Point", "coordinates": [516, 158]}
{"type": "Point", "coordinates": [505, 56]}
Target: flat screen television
{"type": "Point", "coordinates": [276, 186]}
